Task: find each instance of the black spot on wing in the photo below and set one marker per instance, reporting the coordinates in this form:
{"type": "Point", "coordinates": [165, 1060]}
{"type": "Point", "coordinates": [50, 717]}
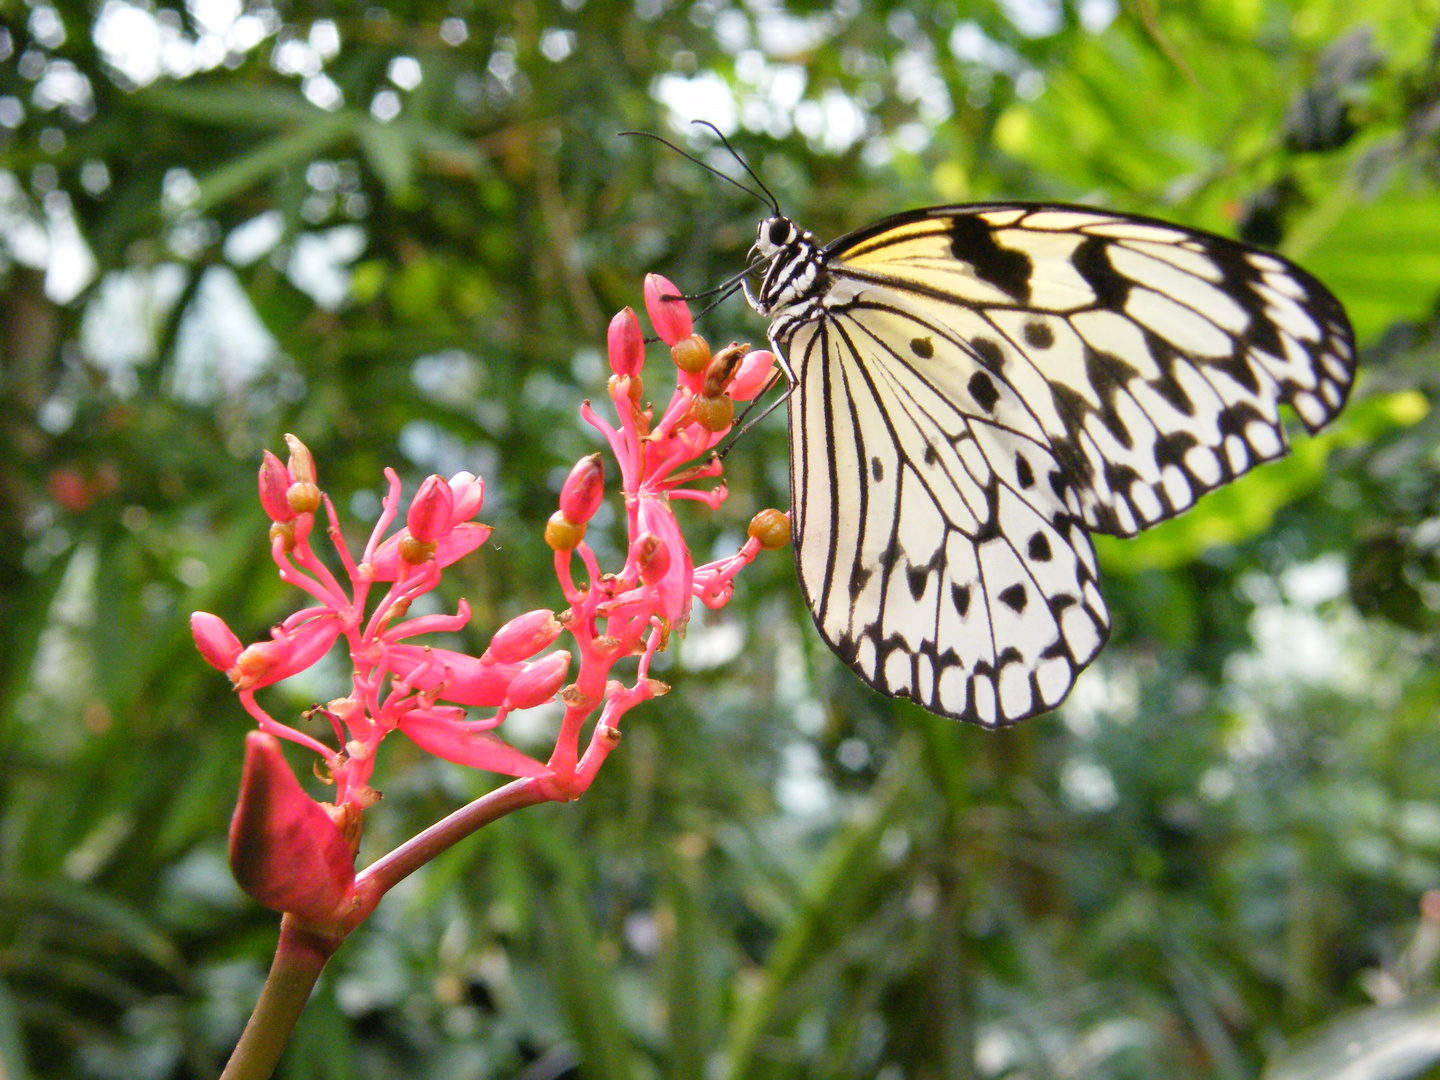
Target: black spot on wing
{"type": "Point", "coordinates": [989, 353]}
{"type": "Point", "coordinates": [1039, 548]}
{"type": "Point", "coordinates": [1170, 447]}
{"type": "Point", "coordinates": [916, 577]}
{"type": "Point", "coordinates": [1013, 597]}
{"type": "Point", "coordinates": [972, 241]}
{"type": "Point", "coordinates": [960, 594]}
{"type": "Point", "coordinates": [1023, 473]}
{"type": "Point", "coordinates": [1038, 335]}
{"type": "Point", "coordinates": [922, 347]}
{"type": "Point", "coordinates": [877, 469]}
{"type": "Point", "coordinates": [859, 578]}
{"type": "Point", "coordinates": [932, 455]}
{"type": "Point", "coordinates": [1093, 264]}
{"type": "Point", "coordinates": [982, 389]}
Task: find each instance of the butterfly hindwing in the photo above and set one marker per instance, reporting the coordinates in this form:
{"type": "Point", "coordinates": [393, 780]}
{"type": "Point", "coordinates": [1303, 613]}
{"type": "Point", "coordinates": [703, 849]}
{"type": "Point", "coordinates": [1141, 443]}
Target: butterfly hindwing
{"type": "Point", "coordinates": [935, 552]}
{"type": "Point", "coordinates": [973, 388]}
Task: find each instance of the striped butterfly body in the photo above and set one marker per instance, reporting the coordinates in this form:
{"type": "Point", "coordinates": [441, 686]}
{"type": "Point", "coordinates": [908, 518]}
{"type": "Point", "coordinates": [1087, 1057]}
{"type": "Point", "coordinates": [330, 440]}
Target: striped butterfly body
{"type": "Point", "coordinates": [975, 389]}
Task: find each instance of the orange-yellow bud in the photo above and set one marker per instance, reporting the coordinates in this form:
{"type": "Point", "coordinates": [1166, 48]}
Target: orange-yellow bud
{"type": "Point", "coordinates": [714, 413]}
{"type": "Point", "coordinates": [771, 528]}
{"type": "Point", "coordinates": [691, 354]}
{"type": "Point", "coordinates": [303, 497]}
{"type": "Point", "coordinates": [285, 531]}
{"type": "Point", "coordinates": [415, 552]}
{"type": "Point", "coordinates": [563, 534]}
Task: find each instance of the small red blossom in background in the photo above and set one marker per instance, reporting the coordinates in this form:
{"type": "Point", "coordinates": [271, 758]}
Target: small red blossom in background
{"type": "Point", "coordinates": [296, 855]}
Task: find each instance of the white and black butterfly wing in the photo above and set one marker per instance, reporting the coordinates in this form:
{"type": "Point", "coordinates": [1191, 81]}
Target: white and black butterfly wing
{"type": "Point", "coordinates": [934, 557]}
{"type": "Point", "coordinates": [975, 384]}
{"type": "Point", "coordinates": [1155, 358]}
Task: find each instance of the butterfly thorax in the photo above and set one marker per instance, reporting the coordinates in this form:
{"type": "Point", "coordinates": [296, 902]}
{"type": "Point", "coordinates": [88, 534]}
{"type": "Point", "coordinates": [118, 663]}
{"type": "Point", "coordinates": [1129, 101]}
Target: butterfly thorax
{"type": "Point", "coordinates": [795, 266]}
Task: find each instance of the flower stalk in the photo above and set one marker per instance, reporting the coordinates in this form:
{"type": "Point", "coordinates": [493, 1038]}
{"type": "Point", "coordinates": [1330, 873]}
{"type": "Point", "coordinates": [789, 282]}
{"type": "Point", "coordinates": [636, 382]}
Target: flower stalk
{"type": "Point", "coordinates": [295, 854]}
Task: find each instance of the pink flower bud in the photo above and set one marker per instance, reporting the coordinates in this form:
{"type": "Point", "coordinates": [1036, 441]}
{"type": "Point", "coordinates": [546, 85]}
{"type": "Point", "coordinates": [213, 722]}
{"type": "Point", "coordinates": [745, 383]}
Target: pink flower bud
{"type": "Point", "coordinates": [275, 481]}
{"type": "Point", "coordinates": [429, 515]}
{"type": "Point", "coordinates": [302, 463]}
{"type": "Point", "coordinates": [670, 317]}
{"type": "Point", "coordinates": [539, 682]}
{"type": "Point", "coordinates": [268, 662]}
{"type": "Point", "coordinates": [584, 488]}
{"type": "Point", "coordinates": [652, 557]}
{"type": "Point", "coordinates": [469, 492]}
{"type": "Point", "coordinates": [672, 583]}
{"type": "Point", "coordinates": [626, 344]}
{"type": "Point", "coordinates": [523, 636]}
{"type": "Point", "coordinates": [752, 375]}
{"type": "Point", "coordinates": [285, 851]}
{"type": "Point", "coordinates": [217, 644]}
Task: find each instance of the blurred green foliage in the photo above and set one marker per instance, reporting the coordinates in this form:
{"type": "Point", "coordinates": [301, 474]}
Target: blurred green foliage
{"type": "Point", "coordinates": [398, 230]}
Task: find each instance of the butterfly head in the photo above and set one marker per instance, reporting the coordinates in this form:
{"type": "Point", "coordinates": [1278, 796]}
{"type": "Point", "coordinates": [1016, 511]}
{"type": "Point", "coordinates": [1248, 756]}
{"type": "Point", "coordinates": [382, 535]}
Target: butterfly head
{"type": "Point", "coordinates": [794, 264]}
{"type": "Point", "coordinates": [775, 234]}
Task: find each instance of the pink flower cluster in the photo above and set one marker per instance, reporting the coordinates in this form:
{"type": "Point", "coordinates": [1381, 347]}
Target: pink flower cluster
{"type": "Point", "coordinates": [426, 692]}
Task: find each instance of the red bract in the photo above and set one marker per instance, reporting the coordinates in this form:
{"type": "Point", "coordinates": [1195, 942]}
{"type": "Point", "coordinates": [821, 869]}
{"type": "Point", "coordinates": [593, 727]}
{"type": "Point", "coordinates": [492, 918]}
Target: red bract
{"type": "Point", "coordinates": [216, 642]}
{"type": "Point", "coordinates": [285, 850]}
{"type": "Point", "coordinates": [426, 692]}
{"type": "Point", "coordinates": [751, 377]}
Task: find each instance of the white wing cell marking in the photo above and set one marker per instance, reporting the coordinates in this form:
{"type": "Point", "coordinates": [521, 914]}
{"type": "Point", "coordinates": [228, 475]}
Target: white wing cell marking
{"type": "Point", "coordinates": [1182, 326]}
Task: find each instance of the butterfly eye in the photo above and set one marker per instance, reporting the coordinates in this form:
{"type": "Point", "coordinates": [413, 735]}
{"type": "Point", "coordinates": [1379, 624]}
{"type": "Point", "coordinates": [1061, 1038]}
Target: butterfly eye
{"type": "Point", "coordinates": [779, 232]}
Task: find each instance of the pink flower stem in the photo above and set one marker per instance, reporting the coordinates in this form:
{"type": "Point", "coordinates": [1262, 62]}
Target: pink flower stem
{"type": "Point", "coordinates": [385, 872]}
{"type": "Point", "coordinates": [279, 730]}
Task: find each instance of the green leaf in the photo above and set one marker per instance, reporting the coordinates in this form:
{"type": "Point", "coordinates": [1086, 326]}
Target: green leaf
{"type": "Point", "coordinates": [1384, 1042]}
{"type": "Point", "coordinates": [12, 1039]}
{"type": "Point", "coordinates": [313, 137]}
{"type": "Point", "coordinates": [248, 107]}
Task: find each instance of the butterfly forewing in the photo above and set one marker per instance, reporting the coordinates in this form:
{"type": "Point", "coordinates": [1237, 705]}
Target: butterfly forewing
{"type": "Point", "coordinates": [975, 387]}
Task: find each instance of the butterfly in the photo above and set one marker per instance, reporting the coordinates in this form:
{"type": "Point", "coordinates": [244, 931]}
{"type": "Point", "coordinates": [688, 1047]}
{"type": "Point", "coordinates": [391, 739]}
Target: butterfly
{"type": "Point", "coordinates": [975, 389]}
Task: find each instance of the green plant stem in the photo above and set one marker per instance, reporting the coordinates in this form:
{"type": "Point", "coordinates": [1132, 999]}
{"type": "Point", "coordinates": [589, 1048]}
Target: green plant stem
{"type": "Point", "coordinates": [300, 956]}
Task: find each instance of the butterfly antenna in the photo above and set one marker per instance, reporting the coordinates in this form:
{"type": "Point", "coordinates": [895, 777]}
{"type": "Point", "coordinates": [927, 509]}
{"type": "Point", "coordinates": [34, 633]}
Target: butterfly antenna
{"type": "Point", "coordinates": [725, 287]}
{"type": "Point", "coordinates": [703, 165]}
{"type": "Point", "coordinates": [746, 425]}
{"type": "Point", "coordinates": [769, 195]}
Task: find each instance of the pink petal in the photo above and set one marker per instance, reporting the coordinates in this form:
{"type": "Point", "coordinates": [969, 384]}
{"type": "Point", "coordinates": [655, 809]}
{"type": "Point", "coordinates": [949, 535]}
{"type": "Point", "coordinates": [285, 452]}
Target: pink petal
{"type": "Point", "coordinates": [453, 676]}
{"type": "Point", "coordinates": [466, 744]}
